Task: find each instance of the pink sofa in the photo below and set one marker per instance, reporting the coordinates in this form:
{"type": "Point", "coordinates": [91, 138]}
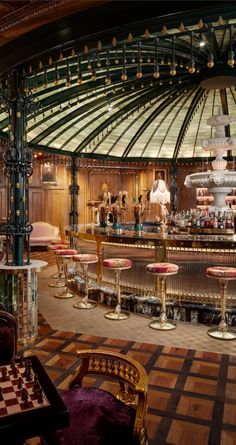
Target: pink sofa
{"type": "Point", "coordinates": [43, 233]}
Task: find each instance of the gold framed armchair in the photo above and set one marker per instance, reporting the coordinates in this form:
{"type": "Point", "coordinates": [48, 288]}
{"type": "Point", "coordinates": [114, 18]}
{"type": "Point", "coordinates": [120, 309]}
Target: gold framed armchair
{"type": "Point", "coordinates": [8, 336]}
{"type": "Point", "coordinates": [99, 417]}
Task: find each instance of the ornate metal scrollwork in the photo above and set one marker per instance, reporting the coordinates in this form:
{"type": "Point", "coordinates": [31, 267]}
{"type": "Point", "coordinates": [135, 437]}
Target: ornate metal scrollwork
{"type": "Point", "coordinates": [74, 192]}
{"type": "Point", "coordinates": [17, 101]}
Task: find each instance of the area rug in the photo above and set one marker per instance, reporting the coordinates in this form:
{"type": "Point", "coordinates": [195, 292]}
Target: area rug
{"type": "Point", "coordinates": [192, 394]}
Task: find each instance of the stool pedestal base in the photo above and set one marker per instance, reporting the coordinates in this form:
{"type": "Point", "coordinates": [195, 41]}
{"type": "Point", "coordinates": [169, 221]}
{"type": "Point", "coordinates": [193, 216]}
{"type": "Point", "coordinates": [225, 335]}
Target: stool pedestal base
{"type": "Point", "coordinates": [84, 304]}
{"type": "Point", "coordinates": [56, 285]}
{"type": "Point", "coordinates": [64, 295]}
{"type": "Point", "coordinates": [228, 334]}
{"type": "Point", "coordinates": [160, 326]}
{"type": "Point", "coordinates": [116, 314]}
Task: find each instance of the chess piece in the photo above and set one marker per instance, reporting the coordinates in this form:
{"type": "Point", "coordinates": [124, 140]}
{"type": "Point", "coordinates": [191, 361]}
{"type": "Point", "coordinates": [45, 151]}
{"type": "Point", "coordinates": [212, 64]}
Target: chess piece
{"type": "Point", "coordinates": [4, 373]}
{"type": "Point", "coordinates": [24, 395]}
{"type": "Point", "coordinates": [21, 361]}
{"type": "Point", "coordinates": [1, 394]}
{"type": "Point", "coordinates": [36, 385]}
{"type": "Point", "coordinates": [40, 395]}
{"type": "Point", "coordinates": [19, 383]}
{"type": "Point", "coordinates": [15, 372]}
{"type": "Point", "coordinates": [13, 365]}
{"type": "Point", "coordinates": [28, 374]}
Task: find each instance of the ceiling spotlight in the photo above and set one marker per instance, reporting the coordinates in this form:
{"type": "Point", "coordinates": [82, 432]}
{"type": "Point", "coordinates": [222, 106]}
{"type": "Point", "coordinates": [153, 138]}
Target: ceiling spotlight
{"type": "Point", "coordinates": [191, 69]}
{"type": "Point", "coordinates": [156, 74]}
{"type": "Point", "coordinates": [231, 60]}
{"type": "Point", "coordinates": [107, 80]}
{"type": "Point", "coordinates": [210, 62]}
{"type": "Point", "coordinates": [172, 69]}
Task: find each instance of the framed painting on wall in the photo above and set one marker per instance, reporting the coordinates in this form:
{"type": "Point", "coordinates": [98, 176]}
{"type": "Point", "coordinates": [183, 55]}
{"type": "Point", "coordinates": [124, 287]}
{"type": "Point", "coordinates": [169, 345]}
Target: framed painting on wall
{"type": "Point", "coordinates": [49, 173]}
{"type": "Point", "coordinates": [160, 174]}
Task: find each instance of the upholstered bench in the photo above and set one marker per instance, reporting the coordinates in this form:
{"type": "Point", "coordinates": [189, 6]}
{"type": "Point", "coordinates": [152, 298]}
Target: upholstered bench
{"type": "Point", "coordinates": [43, 234]}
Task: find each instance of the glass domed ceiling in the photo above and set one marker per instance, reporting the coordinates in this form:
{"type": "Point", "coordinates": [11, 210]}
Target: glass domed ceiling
{"type": "Point", "coordinates": [139, 97]}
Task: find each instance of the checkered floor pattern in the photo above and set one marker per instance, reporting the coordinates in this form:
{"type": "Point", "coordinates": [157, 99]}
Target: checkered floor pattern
{"type": "Point", "coordinates": [192, 394]}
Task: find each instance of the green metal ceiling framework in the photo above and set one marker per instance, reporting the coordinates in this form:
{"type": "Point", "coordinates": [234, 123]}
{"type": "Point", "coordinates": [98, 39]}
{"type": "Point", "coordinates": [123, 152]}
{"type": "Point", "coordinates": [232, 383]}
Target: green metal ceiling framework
{"type": "Point", "coordinates": [133, 93]}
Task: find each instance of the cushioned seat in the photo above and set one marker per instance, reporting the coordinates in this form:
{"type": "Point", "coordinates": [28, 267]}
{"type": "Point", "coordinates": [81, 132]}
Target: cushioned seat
{"type": "Point", "coordinates": [162, 268]}
{"type": "Point", "coordinates": [86, 258]}
{"type": "Point", "coordinates": [8, 336]}
{"type": "Point", "coordinates": [98, 417]}
{"type": "Point", "coordinates": [221, 272]}
{"type": "Point", "coordinates": [117, 263]}
{"type": "Point", "coordinates": [62, 251]}
{"type": "Point", "coordinates": [44, 233]}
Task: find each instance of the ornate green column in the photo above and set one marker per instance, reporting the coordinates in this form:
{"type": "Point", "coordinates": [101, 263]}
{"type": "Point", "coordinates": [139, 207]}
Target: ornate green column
{"type": "Point", "coordinates": [18, 276]}
{"type": "Point", "coordinates": [18, 168]}
{"type": "Point", "coordinates": [74, 192]}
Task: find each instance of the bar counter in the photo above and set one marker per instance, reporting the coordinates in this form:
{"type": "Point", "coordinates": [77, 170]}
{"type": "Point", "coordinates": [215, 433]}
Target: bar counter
{"type": "Point", "coordinates": [192, 252]}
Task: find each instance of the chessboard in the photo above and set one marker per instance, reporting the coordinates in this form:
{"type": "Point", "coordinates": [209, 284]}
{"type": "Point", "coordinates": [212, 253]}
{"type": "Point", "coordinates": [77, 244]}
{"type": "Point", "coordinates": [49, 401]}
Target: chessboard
{"type": "Point", "coordinates": [20, 389]}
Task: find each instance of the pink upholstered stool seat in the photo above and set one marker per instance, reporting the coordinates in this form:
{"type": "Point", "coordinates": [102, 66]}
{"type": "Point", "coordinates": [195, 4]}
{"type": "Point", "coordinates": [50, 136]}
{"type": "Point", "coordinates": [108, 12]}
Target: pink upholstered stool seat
{"type": "Point", "coordinates": [117, 263]}
{"type": "Point", "coordinates": [65, 254]}
{"type": "Point", "coordinates": [161, 271]}
{"type": "Point", "coordinates": [56, 246]}
{"type": "Point", "coordinates": [162, 268]}
{"type": "Point", "coordinates": [84, 259]}
{"type": "Point", "coordinates": [64, 242]}
{"type": "Point", "coordinates": [222, 272]}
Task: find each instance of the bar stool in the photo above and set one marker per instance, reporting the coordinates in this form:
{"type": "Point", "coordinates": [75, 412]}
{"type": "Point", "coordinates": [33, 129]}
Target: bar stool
{"type": "Point", "coordinates": [85, 259]}
{"type": "Point", "coordinates": [66, 255]}
{"type": "Point", "coordinates": [161, 271]}
{"type": "Point", "coordinates": [223, 274]}
{"type": "Point", "coordinates": [59, 262]}
{"type": "Point", "coordinates": [117, 264]}
{"type": "Point", "coordinates": [63, 244]}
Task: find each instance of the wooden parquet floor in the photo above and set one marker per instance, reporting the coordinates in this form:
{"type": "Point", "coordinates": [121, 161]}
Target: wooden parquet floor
{"type": "Point", "coordinates": [192, 394]}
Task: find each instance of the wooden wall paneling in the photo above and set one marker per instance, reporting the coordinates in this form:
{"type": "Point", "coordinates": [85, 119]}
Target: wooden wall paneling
{"type": "Point", "coordinates": [35, 204]}
{"type": "Point", "coordinates": [55, 207]}
{"type": "Point", "coordinates": [186, 196]}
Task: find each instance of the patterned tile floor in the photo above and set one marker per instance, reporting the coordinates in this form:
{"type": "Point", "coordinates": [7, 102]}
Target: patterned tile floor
{"type": "Point", "coordinates": [192, 387]}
